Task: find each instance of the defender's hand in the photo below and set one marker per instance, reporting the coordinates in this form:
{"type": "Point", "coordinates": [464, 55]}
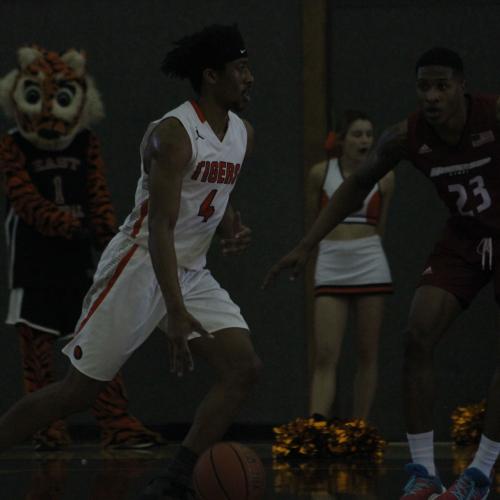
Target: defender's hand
{"type": "Point", "coordinates": [296, 260]}
{"type": "Point", "coordinates": [180, 326]}
{"type": "Point", "coordinates": [239, 241]}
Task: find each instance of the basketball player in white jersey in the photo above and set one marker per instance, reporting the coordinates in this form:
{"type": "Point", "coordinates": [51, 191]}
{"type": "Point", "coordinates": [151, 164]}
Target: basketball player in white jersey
{"type": "Point", "coordinates": [153, 272]}
{"type": "Point", "coordinates": [351, 270]}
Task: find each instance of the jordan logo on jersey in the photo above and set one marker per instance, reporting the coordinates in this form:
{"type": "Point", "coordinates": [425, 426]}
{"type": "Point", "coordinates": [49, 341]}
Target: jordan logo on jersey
{"type": "Point", "coordinates": [216, 172]}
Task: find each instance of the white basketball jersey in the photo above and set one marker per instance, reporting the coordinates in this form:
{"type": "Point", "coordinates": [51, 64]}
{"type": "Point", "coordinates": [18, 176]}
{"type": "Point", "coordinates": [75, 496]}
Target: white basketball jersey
{"type": "Point", "coordinates": [209, 179]}
{"type": "Point", "coordinates": [369, 213]}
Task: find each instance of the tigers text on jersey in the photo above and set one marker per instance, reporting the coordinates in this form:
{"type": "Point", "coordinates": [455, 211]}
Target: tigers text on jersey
{"type": "Point", "coordinates": [466, 176]}
{"type": "Point", "coordinates": [369, 213]}
{"type": "Point", "coordinates": [207, 183]}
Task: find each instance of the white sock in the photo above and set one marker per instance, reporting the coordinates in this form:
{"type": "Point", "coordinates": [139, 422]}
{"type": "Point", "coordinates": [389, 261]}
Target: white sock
{"type": "Point", "coordinates": [486, 455]}
{"type": "Point", "coordinates": [422, 450]}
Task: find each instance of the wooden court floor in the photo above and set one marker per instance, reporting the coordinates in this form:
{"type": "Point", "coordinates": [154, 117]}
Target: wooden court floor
{"type": "Point", "coordinates": [89, 473]}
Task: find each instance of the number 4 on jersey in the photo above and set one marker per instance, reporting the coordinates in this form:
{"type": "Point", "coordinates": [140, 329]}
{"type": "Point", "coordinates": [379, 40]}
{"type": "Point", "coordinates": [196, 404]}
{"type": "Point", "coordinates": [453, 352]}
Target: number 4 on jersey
{"type": "Point", "coordinates": [206, 208]}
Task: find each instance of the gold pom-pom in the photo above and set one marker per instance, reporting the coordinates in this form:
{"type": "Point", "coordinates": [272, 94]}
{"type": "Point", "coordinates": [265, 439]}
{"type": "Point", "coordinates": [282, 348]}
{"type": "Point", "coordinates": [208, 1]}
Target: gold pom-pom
{"type": "Point", "coordinates": [309, 438]}
{"type": "Point", "coordinates": [467, 424]}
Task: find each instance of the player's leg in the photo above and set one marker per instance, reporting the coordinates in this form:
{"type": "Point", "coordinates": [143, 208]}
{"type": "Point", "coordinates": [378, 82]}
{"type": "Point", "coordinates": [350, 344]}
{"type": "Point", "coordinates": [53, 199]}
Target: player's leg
{"type": "Point", "coordinates": [475, 480]}
{"type": "Point", "coordinates": [492, 418]}
{"type": "Point", "coordinates": [453, 276]}
{"type": "Point", "coordinates": [369, 313]}
{"type": "Point", "coordinates": [236, 367]}
{"type": "Point", "coordinates": [76, 392]}
{"type": "Point", "coordinates": [478, 473]}
{"type": "Point", "coordinates": [491, 425]}
{"type": "Point", "coordinates": [432, 312]}
{"type": "Point", "coordinates": [330, 320]}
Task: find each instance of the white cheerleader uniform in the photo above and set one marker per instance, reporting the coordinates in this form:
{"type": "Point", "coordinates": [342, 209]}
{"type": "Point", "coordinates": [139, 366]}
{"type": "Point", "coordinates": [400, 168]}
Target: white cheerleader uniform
{"type": "Point", "coordinates": [355, 266]}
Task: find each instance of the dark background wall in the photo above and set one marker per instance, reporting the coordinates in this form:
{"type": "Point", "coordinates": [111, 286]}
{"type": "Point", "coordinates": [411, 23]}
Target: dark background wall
{"type": "Point", "coordinates": [373, 46]}
{"type": "Point", "coordinates": [373, 49]}
{"type": "Point", "coordinates": [126, 41]}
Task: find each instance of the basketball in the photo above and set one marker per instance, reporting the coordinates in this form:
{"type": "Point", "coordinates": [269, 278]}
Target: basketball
{"type": "Point", "coordinates": [229, 471]}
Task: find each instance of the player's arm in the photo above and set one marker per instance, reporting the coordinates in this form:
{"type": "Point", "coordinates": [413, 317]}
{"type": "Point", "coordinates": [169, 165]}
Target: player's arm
{"type": "Point", "coordinates": [165, 159]}
{"type": "Point", "coordinates": [390, 150]}
{"type": "Point", "coordinates": [236, 237]}
{"type": "Point", "coordinates": [386, 191]}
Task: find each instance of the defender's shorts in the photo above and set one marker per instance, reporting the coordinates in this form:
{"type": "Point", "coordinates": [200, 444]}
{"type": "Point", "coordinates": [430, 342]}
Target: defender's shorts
{"type": "Point", "coordinates": [463, 266]}
{"type": "Point", "coordinates": [125, 304]}
{"type": "Point", "coordinates": [356, 266]}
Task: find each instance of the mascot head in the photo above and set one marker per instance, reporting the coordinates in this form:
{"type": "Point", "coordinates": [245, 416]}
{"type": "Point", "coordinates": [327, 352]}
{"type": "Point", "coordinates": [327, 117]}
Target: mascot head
{"type": "Point", "coordinates": [50, 96]}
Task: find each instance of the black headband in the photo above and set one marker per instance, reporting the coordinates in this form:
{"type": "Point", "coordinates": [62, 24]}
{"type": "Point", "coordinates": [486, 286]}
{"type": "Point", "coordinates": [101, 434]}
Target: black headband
{"type": "Point", "coordinates": [220, 55]}
{"type": "Point", "coordinates": [234, 52]}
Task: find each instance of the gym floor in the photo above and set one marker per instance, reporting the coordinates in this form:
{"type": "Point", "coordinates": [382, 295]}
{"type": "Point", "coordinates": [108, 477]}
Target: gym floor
{"type": "Point", "coordinates": [89, 473]}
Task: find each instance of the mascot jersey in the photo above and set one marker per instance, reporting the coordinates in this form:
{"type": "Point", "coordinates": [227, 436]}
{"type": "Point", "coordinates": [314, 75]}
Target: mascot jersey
{"type": "Point", "coordinates": [35, 259]}
{"type": "Point", "coordinates": [209, 179]}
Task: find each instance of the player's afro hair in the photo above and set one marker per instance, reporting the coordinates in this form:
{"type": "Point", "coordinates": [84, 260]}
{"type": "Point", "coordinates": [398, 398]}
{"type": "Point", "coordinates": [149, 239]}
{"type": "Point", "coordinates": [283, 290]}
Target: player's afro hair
{"type": "Point", "coordinates": [212, 47]}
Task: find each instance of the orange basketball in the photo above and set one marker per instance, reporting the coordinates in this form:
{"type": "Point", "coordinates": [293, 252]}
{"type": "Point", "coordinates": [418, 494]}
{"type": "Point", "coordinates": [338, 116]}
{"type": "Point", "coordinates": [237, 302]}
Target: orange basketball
{"type": "Point", "coordinates": [229, 471]}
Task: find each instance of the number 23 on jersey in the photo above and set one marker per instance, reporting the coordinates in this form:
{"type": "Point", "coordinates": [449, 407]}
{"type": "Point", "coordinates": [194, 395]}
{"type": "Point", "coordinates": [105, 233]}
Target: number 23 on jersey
{"type": "Point", "coordinates": [479, 192]}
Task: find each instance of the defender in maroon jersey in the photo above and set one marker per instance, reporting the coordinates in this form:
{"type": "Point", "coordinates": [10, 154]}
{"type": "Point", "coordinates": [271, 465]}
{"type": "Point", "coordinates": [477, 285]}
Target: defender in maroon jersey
{"type": "Point", "coordinates": [454, 140]}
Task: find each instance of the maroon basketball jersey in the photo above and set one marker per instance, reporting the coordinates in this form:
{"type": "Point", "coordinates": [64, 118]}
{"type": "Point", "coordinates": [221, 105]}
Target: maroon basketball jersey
{"type": "Point", "coordinates": [466, 176]}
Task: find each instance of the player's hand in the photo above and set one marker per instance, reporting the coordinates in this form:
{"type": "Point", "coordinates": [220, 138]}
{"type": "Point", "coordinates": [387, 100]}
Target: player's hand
{"type": "Point", "coordinates": [180, 325]}
{"type": "Point", "coordinates": [240, 239]}
{"type": "Point", "coordinates": [296, 260]}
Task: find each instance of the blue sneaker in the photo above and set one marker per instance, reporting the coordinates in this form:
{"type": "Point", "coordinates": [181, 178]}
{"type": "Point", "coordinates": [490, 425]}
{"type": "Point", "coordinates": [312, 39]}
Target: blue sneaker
{"type": "Point", "coordinates": [421, 486]}
{"type": "Point", "coordinates": [471, 485]}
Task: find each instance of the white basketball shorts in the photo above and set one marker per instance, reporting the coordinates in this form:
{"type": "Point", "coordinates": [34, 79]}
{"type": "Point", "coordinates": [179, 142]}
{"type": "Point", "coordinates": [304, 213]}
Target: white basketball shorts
{"type": "Point", "coordinates": [125, 304]}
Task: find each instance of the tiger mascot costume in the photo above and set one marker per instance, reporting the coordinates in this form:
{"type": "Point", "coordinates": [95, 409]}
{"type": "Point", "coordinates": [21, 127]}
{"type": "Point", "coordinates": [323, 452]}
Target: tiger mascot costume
{"type": "Point", "coordinates": [59, 212]}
